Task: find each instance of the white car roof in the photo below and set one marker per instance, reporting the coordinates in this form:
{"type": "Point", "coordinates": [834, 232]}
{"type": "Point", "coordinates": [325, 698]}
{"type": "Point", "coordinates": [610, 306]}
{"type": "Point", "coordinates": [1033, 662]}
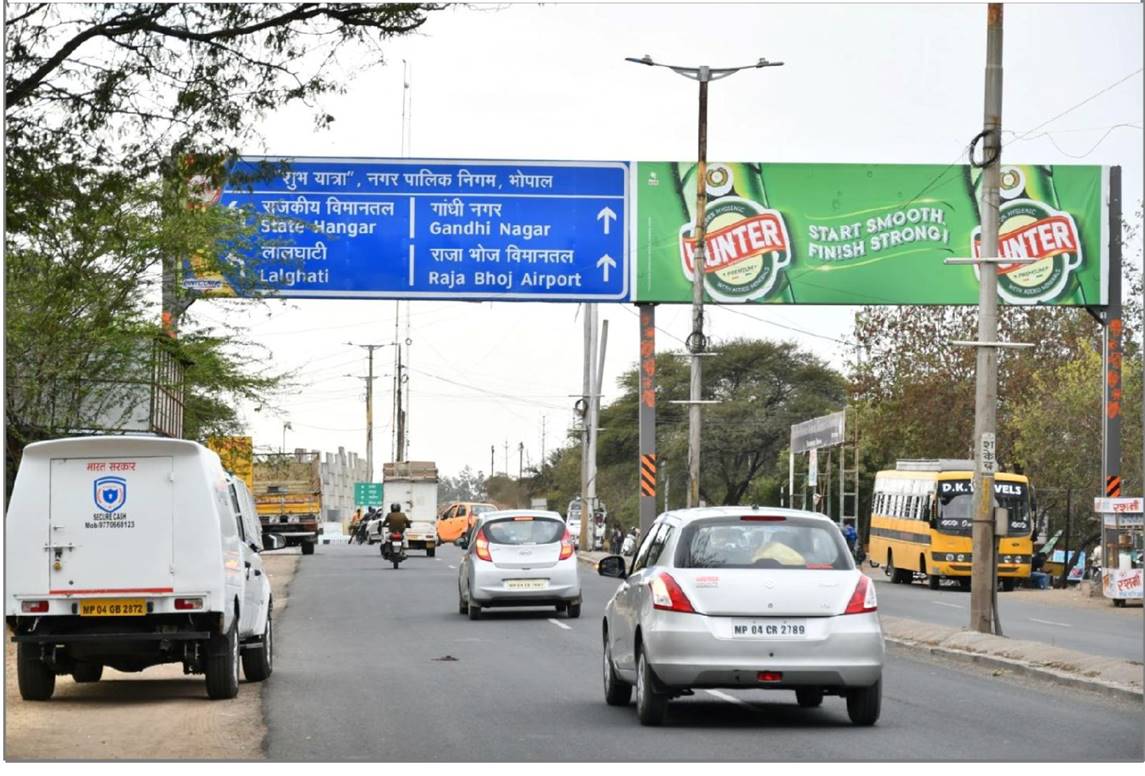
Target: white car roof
{"type": "Point", "coordinates": [485, 517]}
{"type": "Point", "coordinates": [685, 516]}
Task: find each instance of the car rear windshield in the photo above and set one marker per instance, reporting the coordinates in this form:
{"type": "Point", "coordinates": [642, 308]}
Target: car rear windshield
{"type": "Point", "coordinates": [524, 531]}
{"type": "Point", "coordinates": [480, 509]}
{"type": "Point", "coordinates": [747, 543]}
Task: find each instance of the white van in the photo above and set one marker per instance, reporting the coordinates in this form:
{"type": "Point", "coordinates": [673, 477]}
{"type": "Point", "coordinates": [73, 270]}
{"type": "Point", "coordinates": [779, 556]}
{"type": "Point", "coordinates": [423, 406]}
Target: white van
{"type": "Point", "coordinates": [129, 552]}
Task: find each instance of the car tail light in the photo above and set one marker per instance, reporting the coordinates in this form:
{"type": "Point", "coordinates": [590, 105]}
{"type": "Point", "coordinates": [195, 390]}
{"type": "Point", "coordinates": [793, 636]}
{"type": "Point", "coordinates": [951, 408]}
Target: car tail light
{"type": "Point", "coordinates": [184, 604]}
{"type": "Point", "coordinates": [863, 599]}
{"type": "Point", "coordinates": [566, 546]}
{"type": "Point", "coordinates": [770, 676]}
{"type": "Point", "coordinates": [763, 518]}
{"type": "Point", "coordinates": [666, 594]}
{"type": "Point", "coordinates": [33, 607]}
{"type": "Point", "coordinates": [481, 546]}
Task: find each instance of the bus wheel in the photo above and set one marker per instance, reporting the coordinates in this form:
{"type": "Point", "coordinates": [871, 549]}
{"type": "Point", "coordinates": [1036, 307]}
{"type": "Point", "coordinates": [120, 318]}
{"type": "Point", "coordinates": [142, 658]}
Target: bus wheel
{"type": "Point", "coordinates": [933, 581]}
{"type": "Point", "coordinates": [1007, 584]}
{"type": "Point", "coordinates": [964, 583]}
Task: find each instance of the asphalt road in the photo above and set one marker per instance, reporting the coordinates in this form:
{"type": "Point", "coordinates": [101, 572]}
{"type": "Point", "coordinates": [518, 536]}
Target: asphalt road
{"type": "Point", "coordinates": [376, 664]}
{"type": "Point", "coordinates": [1108, 632]}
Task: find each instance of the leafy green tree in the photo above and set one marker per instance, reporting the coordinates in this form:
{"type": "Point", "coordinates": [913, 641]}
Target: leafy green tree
{"type": "Point", "coordinates": [111, 110]}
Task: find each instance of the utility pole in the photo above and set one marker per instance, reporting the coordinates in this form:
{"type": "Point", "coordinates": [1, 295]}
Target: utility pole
{"type": "Point", "coordinates": [585, 414]}
{"type": "Point", "coordinates": [543, 419]}
{"type": "Point", "coordinates": [588, 511]}
{"type": "Point", "coordinates": [520, 460]}
{"type": "Point", "coordinates": [369, 408]}
{"type": "Point", "coordinates": [506, 459]}
{"type": "Point", "coordinates": [982, 582]}
{"type": "Point", "coordinates": [697, 343]}
{"type": "Point", "coordinates": [492, 457]}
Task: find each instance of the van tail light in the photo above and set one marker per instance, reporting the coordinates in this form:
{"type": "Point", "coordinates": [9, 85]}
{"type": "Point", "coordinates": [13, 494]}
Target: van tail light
{"type": "Point", "coordinates": [481, 546]}
{"type": "Point", "coordinates": [33, 607]}
{"type": "Point", "coordinates": [187, 604]}
{"type": "Point", "coordinates": [863, 599]}
{"type": "Point", "coordinates": [566, 546]}
{"type": "Point", "coordinates": [666, 594]}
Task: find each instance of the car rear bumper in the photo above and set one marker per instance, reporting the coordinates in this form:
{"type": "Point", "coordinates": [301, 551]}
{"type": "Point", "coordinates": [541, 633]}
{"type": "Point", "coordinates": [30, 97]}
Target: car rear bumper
{"type": "Point", "coordinates": [684, 650]}
{"type": "Point", "coordinates": [492, 585]}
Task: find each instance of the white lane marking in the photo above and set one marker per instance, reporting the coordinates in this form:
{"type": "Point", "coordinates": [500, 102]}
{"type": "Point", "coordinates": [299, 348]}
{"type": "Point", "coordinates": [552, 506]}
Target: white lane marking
{"type": "Point", "coordinates": [952, 606]}
{"type": "Point", "coordinates": [452, 566]}
{"type": "Point", "coordinates": [1051, 622]}
{"type": "Point", "coordinates": [723, 696]}
{"type": "Point", "coordinates": [559, 624]}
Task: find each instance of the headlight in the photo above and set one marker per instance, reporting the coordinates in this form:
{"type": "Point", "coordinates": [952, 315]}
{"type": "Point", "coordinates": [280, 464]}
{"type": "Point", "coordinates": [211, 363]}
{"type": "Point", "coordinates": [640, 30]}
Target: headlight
{"type": "Point", "coordinates": [961, 557]}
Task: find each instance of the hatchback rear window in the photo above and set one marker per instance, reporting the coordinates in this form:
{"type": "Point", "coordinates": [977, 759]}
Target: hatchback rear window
{"type": "Point", "coordinates": [480, 509]}
{"type": "Point", "coordinates": [528, 531]}
{"type": "Point", "coordinates": [791, 543]}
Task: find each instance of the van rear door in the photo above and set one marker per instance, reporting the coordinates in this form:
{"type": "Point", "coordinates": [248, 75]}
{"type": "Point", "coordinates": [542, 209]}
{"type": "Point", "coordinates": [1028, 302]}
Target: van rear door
{"type": "Point", "coordinates": [111, 525]}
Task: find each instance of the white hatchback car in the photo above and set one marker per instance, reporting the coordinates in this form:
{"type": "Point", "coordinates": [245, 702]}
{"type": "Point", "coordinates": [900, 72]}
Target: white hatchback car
{"type": "Point", "coordinates": [742, 597]}
{"type": "Point", "coordinates": [521, 557]}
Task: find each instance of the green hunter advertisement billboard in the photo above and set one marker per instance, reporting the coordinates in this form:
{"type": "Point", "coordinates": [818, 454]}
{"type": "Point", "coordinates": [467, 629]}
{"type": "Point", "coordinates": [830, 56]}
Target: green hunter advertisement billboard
{"type": "Point", "coordinates": [868, 234]}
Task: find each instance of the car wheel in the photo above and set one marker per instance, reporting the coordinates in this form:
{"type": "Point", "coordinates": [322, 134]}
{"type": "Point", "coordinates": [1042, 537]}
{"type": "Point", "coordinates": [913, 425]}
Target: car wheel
{"type": "Point", "coordinates": [308, 548]}
{"type": "Point", "coordinates": [573, 610]}
{"type": "Point", "coordinates": [809, 697]}
{"type": "Point", "coordinates": [865, 703]}
{"type": "Point", "coordinates": [561, 606]}
{"type": "Point", "coordinates": [474, 611]}
{"type": "Point", "coordinates": [258, 662]}
{"type": "Point", "coordinates": [462, 607]}
{"type": "Point", "coordinates": [431, 552]}
{"type": "Point", "coordinates": [651, 706]}
{"type": "Point", "coordinates": [36, 678]}
{"type": "Point", "coordinates": [223, 664]}
{"type": "Point", "coordinates": [617, 692]}
{"type": "Point", "coordinates": [85, 673]}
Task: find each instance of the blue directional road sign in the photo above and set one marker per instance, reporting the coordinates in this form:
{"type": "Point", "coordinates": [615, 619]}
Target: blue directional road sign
{"type": "Point", "coordinates": [434, 229]}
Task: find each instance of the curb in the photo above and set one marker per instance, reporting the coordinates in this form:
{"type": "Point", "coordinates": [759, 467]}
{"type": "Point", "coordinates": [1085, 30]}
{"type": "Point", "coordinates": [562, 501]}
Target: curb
{"type": "Point", "coordinates": [1022, 667]}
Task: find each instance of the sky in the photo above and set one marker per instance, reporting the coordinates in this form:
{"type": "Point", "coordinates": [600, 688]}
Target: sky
{"type": "Point", "coordinates": [861, 83]}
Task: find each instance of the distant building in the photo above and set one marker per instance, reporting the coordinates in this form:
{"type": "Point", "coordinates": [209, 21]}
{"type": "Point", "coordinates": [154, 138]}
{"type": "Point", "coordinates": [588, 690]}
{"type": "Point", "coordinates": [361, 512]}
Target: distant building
{"type": "Point", "coordinates": [339, 473]}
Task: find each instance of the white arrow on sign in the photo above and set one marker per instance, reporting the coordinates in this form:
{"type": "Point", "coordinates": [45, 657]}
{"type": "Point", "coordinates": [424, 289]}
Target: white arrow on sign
{"type": "Point", "coordinates": [605, 214]}
{"type": "Point", "coordinates": [606, 263]}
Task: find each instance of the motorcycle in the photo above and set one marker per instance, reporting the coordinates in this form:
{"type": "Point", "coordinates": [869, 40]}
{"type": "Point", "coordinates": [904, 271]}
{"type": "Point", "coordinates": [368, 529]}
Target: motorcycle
{"type": "Point", "coordinates": [394, 549]}
{"type": "Point", "coordinates": [629, 545]}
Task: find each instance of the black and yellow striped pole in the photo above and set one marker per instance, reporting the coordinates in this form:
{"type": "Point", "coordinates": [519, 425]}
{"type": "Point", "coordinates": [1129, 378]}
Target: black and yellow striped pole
{"type": "Point", "coordinates": [647, 417]}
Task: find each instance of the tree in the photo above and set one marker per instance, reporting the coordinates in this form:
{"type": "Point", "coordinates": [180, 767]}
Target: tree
{"type": "Point", "coordinates": [111, 111]}
{"type": "Point", "coordinates": [468, 485]}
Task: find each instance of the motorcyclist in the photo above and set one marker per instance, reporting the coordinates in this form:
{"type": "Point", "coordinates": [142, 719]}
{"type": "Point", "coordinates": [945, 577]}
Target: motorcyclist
{"type": "Point", "coordinates": [396, 521]}
{"type": "Point", "coordinates": [364, 523]}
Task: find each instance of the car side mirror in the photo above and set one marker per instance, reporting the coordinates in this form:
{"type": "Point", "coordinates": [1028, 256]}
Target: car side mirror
{"type": "Point", "coordinates": [612, 566]}
{"type": "Point", "coordinates": [463, 543]}
{"type": "Point", "coordinates": [273, 542]}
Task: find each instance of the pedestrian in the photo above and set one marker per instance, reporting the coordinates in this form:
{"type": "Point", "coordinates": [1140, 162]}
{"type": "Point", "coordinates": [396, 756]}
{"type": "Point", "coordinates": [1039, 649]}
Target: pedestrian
{"type": "Point", "coordinates": [1038, 578]}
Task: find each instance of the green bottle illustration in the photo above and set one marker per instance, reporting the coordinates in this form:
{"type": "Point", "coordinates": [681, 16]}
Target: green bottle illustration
{"type": "Point", "coordinates": [747, 243]}
{"type": "Point", "coordinates": [1031, 225]}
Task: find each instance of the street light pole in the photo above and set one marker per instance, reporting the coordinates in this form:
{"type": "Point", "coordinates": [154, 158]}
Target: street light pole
{"type": "Point", "coordinates": [285, 425]}
{"type": "Point", "coordinates": [697, 344]}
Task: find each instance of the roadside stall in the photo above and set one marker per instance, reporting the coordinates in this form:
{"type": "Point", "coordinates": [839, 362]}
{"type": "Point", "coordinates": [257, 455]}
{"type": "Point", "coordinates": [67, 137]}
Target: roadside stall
{"type": "Point", "coordinates": [1122, 541]}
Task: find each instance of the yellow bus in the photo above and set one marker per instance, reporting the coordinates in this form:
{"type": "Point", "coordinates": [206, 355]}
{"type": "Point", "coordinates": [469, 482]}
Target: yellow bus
{"type": "Point", "coordinates": [921, 517]}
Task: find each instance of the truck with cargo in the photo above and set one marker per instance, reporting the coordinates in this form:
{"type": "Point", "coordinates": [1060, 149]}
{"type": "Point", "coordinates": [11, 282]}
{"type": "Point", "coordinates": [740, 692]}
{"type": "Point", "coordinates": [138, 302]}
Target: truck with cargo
{"type": "Point", "coordinates": [288, 495]}
{"type": "Point", "coordinates": [413, 486]}
{"type": "Point", "coordinates": [129, 552]}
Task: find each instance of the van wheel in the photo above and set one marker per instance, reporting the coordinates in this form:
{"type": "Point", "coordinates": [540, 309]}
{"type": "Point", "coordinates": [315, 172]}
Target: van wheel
{"type": "Point", "coordinates": [809, 697]}
{"type": "Point", "coordinates": [308, 548]}
{"type": "Point", "coordinates": [865, 703]}
{"type": "Point", "coordinates": [651, 706]}
{"type": "Point", "coordinates": [258, 663]}
{"type": "Point", "coordinates": [617, 692]}
{"type": "Point", "coordinates": [223, 664]}
{"type": "Point", "coordinates": [37, 679]}
{"type": "Point", "coordinates": [83, 673]}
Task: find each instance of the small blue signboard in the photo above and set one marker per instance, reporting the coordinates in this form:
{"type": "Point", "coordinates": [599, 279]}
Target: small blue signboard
{"type": "Point", "coordinates": [432, 229]}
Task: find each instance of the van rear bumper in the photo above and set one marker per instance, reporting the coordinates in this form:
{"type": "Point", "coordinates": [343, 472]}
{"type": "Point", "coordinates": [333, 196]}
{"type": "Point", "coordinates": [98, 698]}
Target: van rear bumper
{"type": "Point", "coordinates": [71, 638]}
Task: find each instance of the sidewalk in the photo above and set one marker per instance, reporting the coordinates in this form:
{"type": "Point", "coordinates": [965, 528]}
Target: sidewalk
{"type": "Point", "coordinates": [1031, 658]}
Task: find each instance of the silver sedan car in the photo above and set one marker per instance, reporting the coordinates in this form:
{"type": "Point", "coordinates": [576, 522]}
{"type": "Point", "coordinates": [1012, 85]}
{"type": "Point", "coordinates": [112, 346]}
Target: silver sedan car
{"type": "Point", "coordinates": [518, 558]}
{"type": "Point", "coordinates": [742, 597]}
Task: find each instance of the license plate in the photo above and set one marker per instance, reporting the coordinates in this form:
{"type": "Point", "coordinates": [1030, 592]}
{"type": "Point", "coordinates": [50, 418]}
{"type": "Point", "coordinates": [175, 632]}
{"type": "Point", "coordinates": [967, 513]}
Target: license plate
{"type": "Point", "coordinates": [115, 607]}
{"type": "Point", "coordinates": [766, 629]}
{"type": "Point", "coordinates": [526, 584]}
